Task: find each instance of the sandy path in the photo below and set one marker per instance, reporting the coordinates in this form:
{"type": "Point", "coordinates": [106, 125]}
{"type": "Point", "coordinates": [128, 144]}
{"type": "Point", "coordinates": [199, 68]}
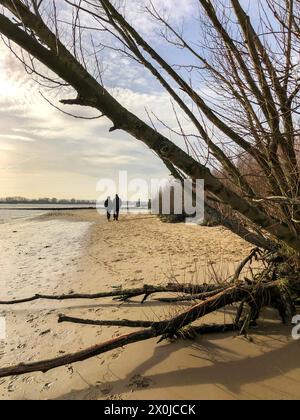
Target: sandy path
{"type": "Point", "coordinates": [138, 250]}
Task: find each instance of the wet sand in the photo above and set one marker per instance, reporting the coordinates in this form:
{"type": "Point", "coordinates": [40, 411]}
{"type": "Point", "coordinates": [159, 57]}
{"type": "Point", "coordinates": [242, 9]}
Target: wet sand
{"type": "Point", "coordinates": [135, 251]}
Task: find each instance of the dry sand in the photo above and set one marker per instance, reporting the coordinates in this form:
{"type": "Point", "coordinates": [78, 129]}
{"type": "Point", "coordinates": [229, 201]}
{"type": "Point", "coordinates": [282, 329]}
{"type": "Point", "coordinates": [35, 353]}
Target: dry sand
{"type": "Point", "coordinates": [137, 250]}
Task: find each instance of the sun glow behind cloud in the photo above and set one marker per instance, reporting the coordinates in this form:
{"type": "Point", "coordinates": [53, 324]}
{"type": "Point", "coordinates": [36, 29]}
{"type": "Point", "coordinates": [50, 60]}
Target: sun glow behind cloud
{"type": "Point", "coordinates": [46, 153]}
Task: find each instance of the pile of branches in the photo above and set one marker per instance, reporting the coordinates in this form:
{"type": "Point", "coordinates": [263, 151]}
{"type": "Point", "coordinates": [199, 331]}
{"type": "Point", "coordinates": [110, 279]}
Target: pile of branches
{"type": "Point", "coordinates": [276, 286]}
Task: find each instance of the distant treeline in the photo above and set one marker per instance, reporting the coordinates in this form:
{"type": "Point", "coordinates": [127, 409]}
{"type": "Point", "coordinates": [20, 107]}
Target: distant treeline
{"type": "Point", "coordinates": [73, 201]}
{"type": "Point", "coordinates": [22, 200]}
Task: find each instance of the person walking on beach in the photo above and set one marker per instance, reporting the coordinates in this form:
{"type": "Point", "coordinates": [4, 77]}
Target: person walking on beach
{"type": "Point", "coordinates": [108, 207]}
{"type": "Point", "coordinates": [117, 203]}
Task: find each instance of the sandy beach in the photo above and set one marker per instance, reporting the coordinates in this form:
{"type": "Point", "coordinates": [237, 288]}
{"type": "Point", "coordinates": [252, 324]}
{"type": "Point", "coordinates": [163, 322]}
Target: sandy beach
{"type": "Point", "coordinates": [87, 254]}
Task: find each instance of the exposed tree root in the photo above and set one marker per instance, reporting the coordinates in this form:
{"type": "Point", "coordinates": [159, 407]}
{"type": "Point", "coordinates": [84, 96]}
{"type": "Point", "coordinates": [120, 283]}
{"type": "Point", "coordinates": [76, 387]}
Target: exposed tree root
{"type": "Point", "coordinates": [165, 329]}
{"type": "Point", "coordinates": [253, 254]}
{"type": "Point", "coordinates": [271, 287]}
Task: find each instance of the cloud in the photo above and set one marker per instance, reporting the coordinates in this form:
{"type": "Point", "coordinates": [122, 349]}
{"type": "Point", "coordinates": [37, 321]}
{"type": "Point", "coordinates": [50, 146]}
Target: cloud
{"type": "Point", "coordinates": [45, 152]}
{"type": "Point", "coordinates": [175, 11]}
{"type": "Point", "coordinates": [14, 137]}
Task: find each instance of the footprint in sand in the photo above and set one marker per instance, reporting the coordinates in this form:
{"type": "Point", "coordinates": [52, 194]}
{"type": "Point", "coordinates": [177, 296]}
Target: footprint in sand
{"type": "Point", "coordinates": [116, 334]}
{"type": "Point", "coordinates": [139, 382]}
{"type": "Point", "coordinates": [114, 397]}
{"type": "Point", "coordinates": [115, 355]}
{"type": "Point", "coordinates": [105, 391]}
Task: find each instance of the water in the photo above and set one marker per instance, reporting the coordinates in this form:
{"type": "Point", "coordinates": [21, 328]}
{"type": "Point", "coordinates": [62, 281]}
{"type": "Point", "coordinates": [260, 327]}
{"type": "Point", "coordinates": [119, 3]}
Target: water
{"type": "Point", "coordinates": [10, 212]}
{"type": "Point", "coordinates": [35, 251]}
{"type": "Point", "coordinates": [10, 215]}
{"type": "Point", "coordinates": [40, 252]}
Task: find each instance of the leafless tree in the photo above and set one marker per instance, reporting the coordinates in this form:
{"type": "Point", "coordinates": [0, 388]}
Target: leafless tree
{"type": "Point", "coordinates": [245, 123]}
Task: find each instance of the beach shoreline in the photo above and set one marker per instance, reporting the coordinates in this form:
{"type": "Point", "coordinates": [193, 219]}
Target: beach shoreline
{"type": "Point", "coordinates": [137, 250]}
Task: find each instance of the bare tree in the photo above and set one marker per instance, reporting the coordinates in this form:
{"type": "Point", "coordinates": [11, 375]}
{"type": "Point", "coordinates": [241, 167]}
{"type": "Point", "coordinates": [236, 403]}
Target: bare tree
{"type": "Point", "coordinates": [245, 127]}
{"type": "Point", "coordinates": [258, 79]}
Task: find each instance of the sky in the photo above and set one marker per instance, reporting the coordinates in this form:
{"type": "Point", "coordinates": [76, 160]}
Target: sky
{"type": "Point", "coordinates": [45, 153]}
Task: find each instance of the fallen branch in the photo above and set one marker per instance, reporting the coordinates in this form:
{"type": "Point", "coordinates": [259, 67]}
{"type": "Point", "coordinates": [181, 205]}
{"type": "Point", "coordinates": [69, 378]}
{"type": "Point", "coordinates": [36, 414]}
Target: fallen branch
{"type": "Point", "coordinates": [165, 329]}
{"type": "Point", "coordinates": [109, 323]}
{"type": "Point", "coordinates": [185, 332]}
{"type": "Point", "coordinates": [46, 365]}
{"type": "Point", "coordinates": [186, 298]}
{"type": "Point", "coordinates": [123, 294]}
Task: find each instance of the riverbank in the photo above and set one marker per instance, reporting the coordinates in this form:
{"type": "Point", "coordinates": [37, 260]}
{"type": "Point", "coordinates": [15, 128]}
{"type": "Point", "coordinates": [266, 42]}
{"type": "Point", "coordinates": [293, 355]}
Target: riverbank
{"type": "Point", "coordinates": [137, 250]}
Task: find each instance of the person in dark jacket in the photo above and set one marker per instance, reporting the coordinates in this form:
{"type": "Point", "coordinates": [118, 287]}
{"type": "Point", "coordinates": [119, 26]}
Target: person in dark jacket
{"type": "Point", "coordinates": [117, 203]}
{"type": "Point", "coordinates": [108, 207]}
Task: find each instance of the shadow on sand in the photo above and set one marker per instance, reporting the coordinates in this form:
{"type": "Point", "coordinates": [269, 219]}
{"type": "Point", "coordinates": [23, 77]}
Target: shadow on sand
{"type": "Point", "coordinates": [227, 369]}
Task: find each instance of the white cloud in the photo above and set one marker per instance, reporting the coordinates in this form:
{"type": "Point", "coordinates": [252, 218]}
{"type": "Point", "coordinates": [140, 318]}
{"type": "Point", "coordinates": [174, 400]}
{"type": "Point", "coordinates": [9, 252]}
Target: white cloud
{"type": "Point", "coordinates": [14, 137]}
{"type": "Point", "coordinates": [174, 10]}
{"type": "Point", "coordinates": [44, 152]}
